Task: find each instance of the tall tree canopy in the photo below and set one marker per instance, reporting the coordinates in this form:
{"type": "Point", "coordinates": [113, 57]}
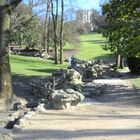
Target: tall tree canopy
{"type": "Point", "coordinates": [123, 25]}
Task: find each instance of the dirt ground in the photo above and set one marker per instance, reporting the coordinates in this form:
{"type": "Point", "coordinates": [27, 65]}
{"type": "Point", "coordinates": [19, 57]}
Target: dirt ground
{"type": "Point", "coordinates": [68, 53]}
{"type": "Point", "coordinates": [115, 115]}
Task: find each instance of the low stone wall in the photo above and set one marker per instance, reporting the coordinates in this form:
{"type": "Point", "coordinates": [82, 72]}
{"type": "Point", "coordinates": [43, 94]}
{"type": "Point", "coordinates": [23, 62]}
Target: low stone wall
{"type": "Point", "coordinates": [67, 79]}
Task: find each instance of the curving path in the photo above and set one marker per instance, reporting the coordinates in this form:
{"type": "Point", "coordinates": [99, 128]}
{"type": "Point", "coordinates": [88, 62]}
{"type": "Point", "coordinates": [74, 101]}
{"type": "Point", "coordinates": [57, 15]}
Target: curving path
{"type": "Point", "coordinates": [115, 115]}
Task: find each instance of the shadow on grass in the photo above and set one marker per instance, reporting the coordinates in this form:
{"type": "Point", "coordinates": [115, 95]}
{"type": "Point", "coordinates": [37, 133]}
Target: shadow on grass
{"type": "Point", "coordinates": [95, 41]}
{"type": "Point", "coordinates": [132, 76]}
{"type": "Point", "coordinates": [90, 33]}
{"type": "Point", "coordinates": [43, 70]}
{"type": "Point", "coordinates": [106, 57]}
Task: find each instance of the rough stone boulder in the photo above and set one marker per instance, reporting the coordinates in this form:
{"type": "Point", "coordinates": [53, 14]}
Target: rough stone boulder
{"type": "Point", "coordinates": [5, 134]}
{"type": "Point", "coordinates": [42, 87]}
{"type": "Point", "coordinates": [64, 99]}
{"type": "Point", "coordinates": [74, 77]}
{"type": "Point", "coordinates": [60, 79]}
{"type": "Point", "coordinates": [59, 72]}
{"type": "Point", "coordinates": [90, 73]}
{"type": "Point", "coordinates": [90, 69]}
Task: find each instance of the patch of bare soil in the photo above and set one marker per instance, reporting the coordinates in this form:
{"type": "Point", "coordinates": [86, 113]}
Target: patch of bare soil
{"type": "Point", "coordinates": [115, 115]}
{"type": "Point", "coordinates": [68, 53]}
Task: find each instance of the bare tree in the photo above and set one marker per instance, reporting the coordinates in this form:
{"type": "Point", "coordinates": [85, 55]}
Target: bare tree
{"type": "Point", "coordinates": [55, 20]}
{"type": "Point", "coordinates": [6, 91]}
{"type": "Point", "coordinates": [30, 7]}
{"type": "Point", "coordinates": [46, 28]}
{"type": "Point", "coordinates": [61, 32]}
{"type": "Point", "coordinates": [48, 32]}
{"type": "Point", "coordinates": [33, 4]}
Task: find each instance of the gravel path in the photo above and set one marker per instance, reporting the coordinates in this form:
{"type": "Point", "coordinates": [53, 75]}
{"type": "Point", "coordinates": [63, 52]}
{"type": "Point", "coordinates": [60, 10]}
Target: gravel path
{"type": "Point", "coordinates": [115, 115]}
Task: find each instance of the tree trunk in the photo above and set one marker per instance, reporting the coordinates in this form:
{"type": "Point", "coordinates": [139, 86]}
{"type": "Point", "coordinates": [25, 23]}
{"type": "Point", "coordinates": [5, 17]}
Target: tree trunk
{"type": "Point", "coordinates": [61, 31]}
{"type": "Point", "coordinates": [48, 34]}
{"type": "Point", "coordinates": [122, 62]}
{"type": "Point", "coordinates": [55, 19]}
{"type": "Point", "coordinates": [30, 8]}
{"type": "Point", "coordinates": [118, 60]}
{"type": "Point", "coordinates": [6, 90]}
{"type": "Point", "coordinates": [46, 26]}
{"type": "Point", "coordinates": [55, 46]}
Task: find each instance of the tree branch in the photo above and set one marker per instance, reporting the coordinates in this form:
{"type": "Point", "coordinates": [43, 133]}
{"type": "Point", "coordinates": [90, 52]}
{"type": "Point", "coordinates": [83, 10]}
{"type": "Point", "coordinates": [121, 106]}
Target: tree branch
{"type": "Point", "coordinates": [14, 3]}
{"type": "Point", "coordinates": [11, 5]}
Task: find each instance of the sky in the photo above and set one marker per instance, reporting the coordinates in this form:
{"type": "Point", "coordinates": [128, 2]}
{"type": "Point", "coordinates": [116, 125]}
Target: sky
{"type": "Point", "coordinates": [89, 4]}
{"type": "Point", "coordinates": [75, 4]}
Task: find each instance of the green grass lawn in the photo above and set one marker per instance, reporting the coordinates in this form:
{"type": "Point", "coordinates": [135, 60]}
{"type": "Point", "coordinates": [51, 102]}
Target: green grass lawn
{"type": "Point", "coordinates": [135, 81]}
{"type": "Point", "coordinates": [90, 47]}
{"type": "Point", "coordinates": [31, 66]}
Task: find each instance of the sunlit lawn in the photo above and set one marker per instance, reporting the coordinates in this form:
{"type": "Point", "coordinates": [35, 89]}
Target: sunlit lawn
{"type": "Point", "coordinates": [91, 47]}
{"type": "Point", "coordinates": [33, 66]}
{"type": "Point", "coordinates": [135, 81]}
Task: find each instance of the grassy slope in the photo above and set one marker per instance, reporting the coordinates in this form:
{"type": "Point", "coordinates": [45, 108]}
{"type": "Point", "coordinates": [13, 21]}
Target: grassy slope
{"type": "Point", "coordinates": [90, 47]}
